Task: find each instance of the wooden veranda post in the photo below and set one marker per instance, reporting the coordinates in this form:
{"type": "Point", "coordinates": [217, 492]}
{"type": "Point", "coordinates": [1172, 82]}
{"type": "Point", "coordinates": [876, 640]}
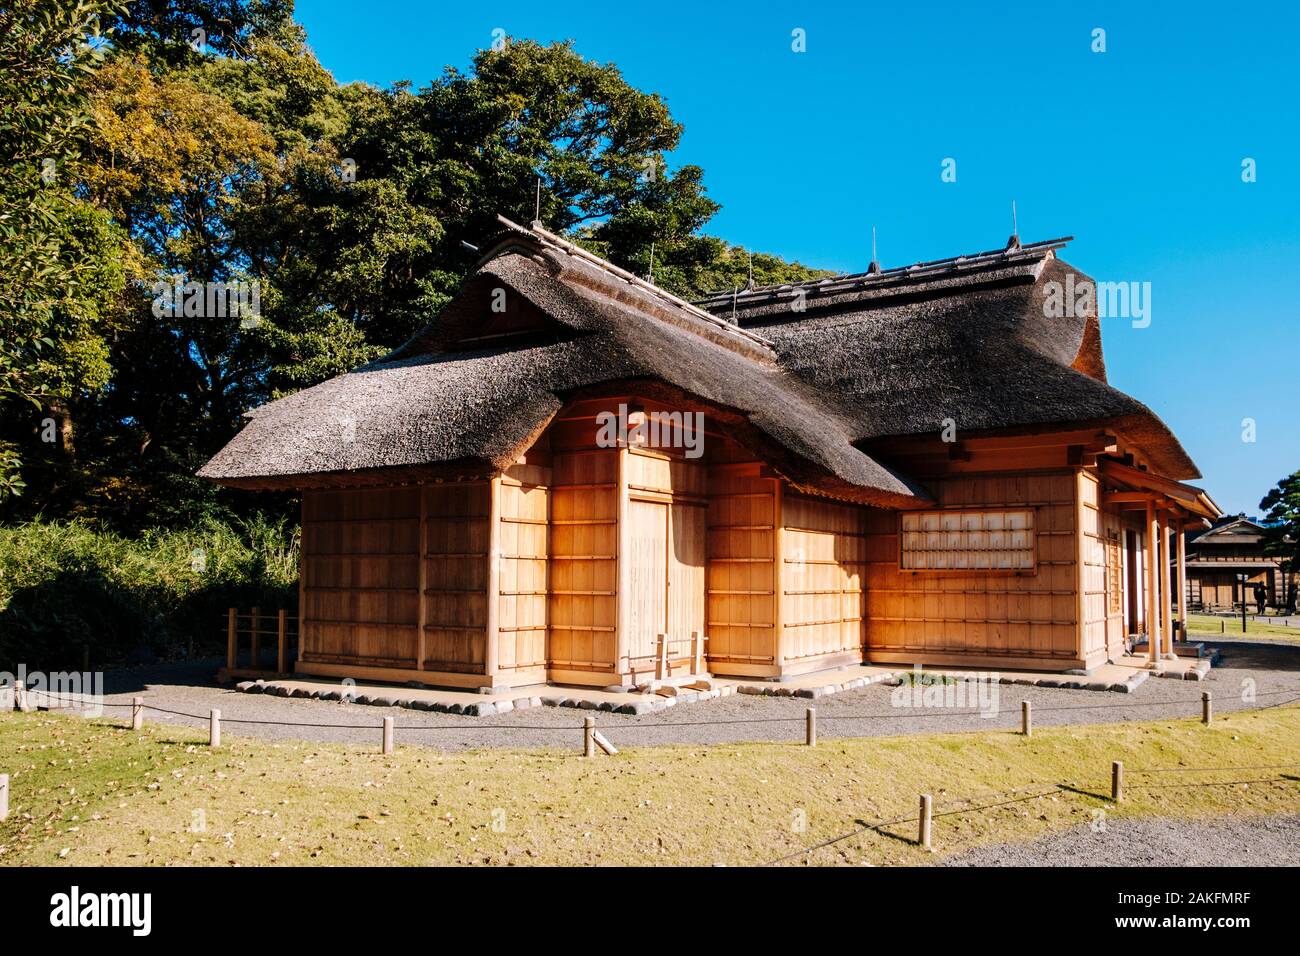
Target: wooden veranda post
{"type": "Point", "coordinates": [661, 658]}
{"type": "Point", "coordinates": [1166, 588]}
{"type": "Point", "coordinates": [232, 637]}
{"type": "Point", "coordinates": [697, 654]}
{"type": "Point", "coordinates": [281, 640]}
{"type": "Point", "coordinates": [1150, 579]}
{"type": "Point", "coordinates": [1182, 582]}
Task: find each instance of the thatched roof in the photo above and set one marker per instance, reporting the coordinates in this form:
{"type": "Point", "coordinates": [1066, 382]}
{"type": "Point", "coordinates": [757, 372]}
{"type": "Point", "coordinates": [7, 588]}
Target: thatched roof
{"type": "Point", "coordinates": [968, 339]}
{"type": "Point", "coordinates": [886, 353]}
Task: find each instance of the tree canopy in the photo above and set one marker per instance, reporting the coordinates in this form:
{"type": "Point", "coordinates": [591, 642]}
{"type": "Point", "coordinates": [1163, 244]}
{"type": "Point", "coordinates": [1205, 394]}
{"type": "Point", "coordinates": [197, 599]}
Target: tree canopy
{"type": "Point", "coordinates": [198, 143]}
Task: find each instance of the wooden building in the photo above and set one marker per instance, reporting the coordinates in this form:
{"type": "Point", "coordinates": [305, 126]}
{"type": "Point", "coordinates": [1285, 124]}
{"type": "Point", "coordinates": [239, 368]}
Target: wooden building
{"type": "Point", "coordinates": [572, 476]}
{"type": "Point", "coordinates": [1218, 558]}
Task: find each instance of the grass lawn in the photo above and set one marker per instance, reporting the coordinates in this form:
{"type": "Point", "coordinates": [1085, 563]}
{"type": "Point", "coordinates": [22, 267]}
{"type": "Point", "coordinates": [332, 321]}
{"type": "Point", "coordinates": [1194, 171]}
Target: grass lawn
{"type": "Point", "coordinates": [1207, 625]}
{"type": "Point", "coordinates": [89, 792]}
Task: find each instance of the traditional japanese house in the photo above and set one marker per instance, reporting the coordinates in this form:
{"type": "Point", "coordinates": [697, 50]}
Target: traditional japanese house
{"type": "Point", "coordinates": [573, 476]}
{"type": "Point", "coordinates": [1219, 558]}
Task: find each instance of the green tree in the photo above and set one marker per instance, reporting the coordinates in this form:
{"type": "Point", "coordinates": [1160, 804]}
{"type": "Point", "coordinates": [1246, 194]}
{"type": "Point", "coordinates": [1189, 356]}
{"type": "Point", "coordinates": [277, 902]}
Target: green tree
{"type": "Point", "coordinates": [60, 256]}
{"type": "Point", "coordinates": [1282, 527]}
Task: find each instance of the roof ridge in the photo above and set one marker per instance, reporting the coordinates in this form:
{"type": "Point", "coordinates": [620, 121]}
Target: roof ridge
{"type": "Point", "coordinates": [562, 245]}
{"type": "Point", "coordinates": [1011, 253]}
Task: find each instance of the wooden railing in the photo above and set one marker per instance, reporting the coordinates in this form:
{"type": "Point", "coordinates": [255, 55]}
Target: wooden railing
{"type": "Point", "coordinates": [256, 625]}
{"type": "Point", "coordinates": [663, 667]}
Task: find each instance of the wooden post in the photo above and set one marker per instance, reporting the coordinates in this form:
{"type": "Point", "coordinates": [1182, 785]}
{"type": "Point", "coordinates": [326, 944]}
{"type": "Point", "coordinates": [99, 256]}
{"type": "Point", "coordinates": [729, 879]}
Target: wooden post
{"type": "Point", "coordinates": [281, 641]}
{"type": "Point", "coordinates": [661, 658]}
{"type": "Point", "coordinates": [697, 654]}
{"type": "Point", "coordinates": [1207, 708]}
{"type": "Point", "coordinates": [255, 623]}
{"type": "Point", "coordinates": [810, 732]}
{"type": "Point", "coordinates": [137, 713]}
{"type": "Point", "coordinates": [20, 697]}
{"type": "Point", "coordinates": [923, 837]}
{"type": "Point", "coordinates": [588, 730]}
{"type": "Point", "coordinates": [1182, 581]}
{"type": "Point", "coordinates": [600, 741]}
{"type": "Point", "coordinates": [232, 637]}
{"type": "Point", "coordinates": [4, 797]}
{"type": "Point", "coordinates": [1166, 587]}
{"type": "Point", "coordinates": [492, 644]}
{"type": "Point", "coordinates": [1152, 607]}
{"type": "Point", "coordinates": [214, 728]}
{"type": "Point", "coordinates": [421, 553]}
{"type": "Point", "coordinates": [1117, 781]}
{"type": "Point", "coordinates": [388, 735]}
{"type": "Point", "coordinates": [1026, 718]}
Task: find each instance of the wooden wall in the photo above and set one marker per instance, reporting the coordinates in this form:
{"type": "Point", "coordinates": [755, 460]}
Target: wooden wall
{"type": "Point", "coordinates": [943, 616]}
{"type": "Point", "coordinates": [584, 544]}
{"type": "Point", "coordinates": [823, 564]}
{"type": "Point", "coordinates": [456, 576]}
{"type": "Point", "coordinates": [742, 534]}
{"type": "Point", "coordinates": [359, 597]}
{"type": "Point", "coordinates": [523, 516]}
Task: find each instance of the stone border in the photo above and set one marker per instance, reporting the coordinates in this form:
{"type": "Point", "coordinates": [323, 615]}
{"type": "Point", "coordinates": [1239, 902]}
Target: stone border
{"type": "Point", "coordinates": [641, 704]}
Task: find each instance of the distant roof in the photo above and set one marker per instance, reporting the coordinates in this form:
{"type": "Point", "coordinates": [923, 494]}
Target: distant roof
{"type": "Point", "coordinates": [806, 375]}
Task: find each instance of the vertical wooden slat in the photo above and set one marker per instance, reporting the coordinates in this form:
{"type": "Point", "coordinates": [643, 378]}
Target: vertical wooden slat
{"type": "Point", "coordinates": [778, 573]}
{"type": "Point", "coordinates": [622, 569]}
{"type": "Point", "coordinates": [1182, 581]}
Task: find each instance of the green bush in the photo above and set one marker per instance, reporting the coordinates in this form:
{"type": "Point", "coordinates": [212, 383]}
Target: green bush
{"type": "Point", "coordinates": [66, 585]}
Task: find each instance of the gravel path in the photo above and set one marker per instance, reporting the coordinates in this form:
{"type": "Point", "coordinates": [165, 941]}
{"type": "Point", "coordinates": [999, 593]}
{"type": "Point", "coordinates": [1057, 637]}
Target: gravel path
{"type": "Point", "coordinates": [1274, 669]}
{"type": "Point", "coordinates": [1260, 841]}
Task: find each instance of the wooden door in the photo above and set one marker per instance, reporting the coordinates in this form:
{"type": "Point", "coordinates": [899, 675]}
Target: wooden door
{"type": "Point", "coordinates": [686, 560]}
{"type": "Point", "coordinates": [647, 579]}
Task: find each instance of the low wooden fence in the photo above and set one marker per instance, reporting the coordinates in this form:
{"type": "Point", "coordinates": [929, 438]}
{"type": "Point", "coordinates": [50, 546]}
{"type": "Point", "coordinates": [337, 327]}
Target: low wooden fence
{"type": "Point", "coordinates": [248, 630]}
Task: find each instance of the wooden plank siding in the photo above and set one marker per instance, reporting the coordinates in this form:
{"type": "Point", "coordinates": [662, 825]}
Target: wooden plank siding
{"type": "Point", "coordinates": [981, 618]}
{"type": "Point", "coordinates": [741, 579]}
{"type": "Point", "coordinates": [360, 576]}
{"type": "Point", "coordinates": [824, 560]}
{"type": "Point", "coordinates": [523, 513]}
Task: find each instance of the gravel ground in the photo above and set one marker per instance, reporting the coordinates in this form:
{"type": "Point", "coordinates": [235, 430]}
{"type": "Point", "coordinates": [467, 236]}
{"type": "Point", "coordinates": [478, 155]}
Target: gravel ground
{"type": "Point", "coordinates": [188, 688]}
{"type": "Point", "coordinates": [1262, 841]}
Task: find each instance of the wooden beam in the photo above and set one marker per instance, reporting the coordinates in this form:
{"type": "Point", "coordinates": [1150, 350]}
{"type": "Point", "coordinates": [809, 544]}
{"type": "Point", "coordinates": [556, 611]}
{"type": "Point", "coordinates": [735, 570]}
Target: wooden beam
{"type": "Point", "coordinates": [1166, 602]}
{"type": "Point", "coordinates": [422, 611]}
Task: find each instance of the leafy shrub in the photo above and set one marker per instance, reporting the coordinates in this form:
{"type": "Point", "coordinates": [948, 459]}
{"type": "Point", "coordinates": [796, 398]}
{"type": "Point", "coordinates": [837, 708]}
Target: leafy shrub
{"type": "Point", "coordinates": [65, 585]}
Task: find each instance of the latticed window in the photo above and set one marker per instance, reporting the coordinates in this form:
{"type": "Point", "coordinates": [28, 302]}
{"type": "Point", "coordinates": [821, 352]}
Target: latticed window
{"type": "Point", "coordinates": [1114, 574]}
{"type": "Point", "coordinates": [1000, 540]}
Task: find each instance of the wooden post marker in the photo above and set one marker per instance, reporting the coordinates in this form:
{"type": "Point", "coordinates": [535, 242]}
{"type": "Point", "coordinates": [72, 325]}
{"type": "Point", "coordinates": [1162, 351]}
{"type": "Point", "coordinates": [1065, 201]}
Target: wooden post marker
{"type": "Point", "coordinates": [21, 701]}
{"type": "Point", "coordinates": [927, 805]}
{"type": "Point", "coordinates": [137, 713]}
{"type": "Point", "coordinates": [588, 735]}
{"type": "Point", "coordinates": [1026, 718]}
{"type": "Point", "coordinates": [1117, 781]}
{"type": "Point", "coordinates": [254, 633]}
{"type": "Point", "coordinates": [810, 733]}
{"type": "Point", "coordinates": [4, 797]}
{"type": "Point", "coordinates": [214, 728]}
{"type": "Point", "coordinates": [1207, 708]}
{"type": "Point", "coordinates": [232, 637]}
{"type": "Point", "coordinates": [388, 735]}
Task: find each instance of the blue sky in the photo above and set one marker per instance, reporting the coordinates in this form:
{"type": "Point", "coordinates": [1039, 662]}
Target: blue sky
{"type": "Point", "coordinates": [1136, 152]}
